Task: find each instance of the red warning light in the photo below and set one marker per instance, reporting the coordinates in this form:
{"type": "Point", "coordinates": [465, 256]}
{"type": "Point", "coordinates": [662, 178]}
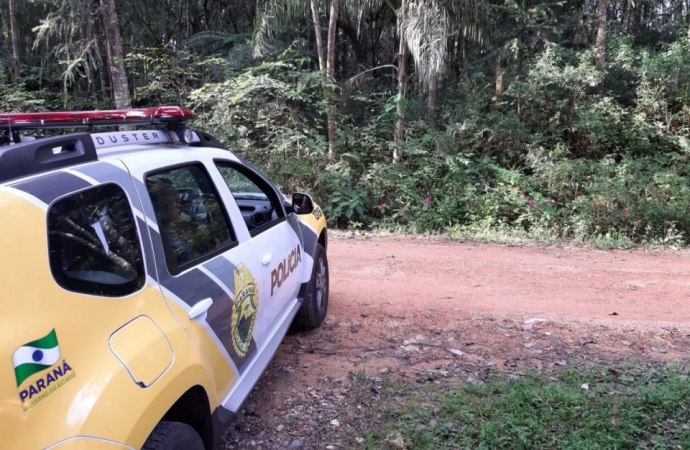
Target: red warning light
{"type": "Point", "coordinates": [69, 119]}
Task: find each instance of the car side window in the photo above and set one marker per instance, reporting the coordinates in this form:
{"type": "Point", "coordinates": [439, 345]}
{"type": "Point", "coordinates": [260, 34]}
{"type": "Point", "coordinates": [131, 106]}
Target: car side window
{"type": "Point", "coordinates": [93, 243]}
{"type": "Point", "coordinates": [193, 225]}
{"type": "Point", "coordinates": [260, 205]}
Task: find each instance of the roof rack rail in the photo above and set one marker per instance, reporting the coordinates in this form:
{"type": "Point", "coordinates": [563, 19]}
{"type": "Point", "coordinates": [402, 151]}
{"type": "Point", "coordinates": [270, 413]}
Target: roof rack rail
{"type": "Point", "coordinates": [46, 154]}
{"type": "Point", "coordinates": [157, 115]}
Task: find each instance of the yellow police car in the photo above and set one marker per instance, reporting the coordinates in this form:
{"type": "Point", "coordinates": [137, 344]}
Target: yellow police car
{"type": "Point", "coordinates": [148, 277]}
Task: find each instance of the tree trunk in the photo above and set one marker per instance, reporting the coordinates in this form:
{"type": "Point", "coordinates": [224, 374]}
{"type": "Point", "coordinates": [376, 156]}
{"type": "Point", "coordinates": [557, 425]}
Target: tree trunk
{"type": "Point", "coordinates": [636, 20]}
{"type": "Point", "coordinates": [601, 36]}
{"type": "Point", "coordinates": [399, 133]}
{"type": "Point", "coordinates": [357, 43]}
{"type": "Point", "coordinates": [580, 34]}
{"type": "Point", "coordinates": [330, 73]}
{"type": "Point", "coordinates": [319, 37]}
{"type": "Point", "coordinates": [431, 105]}
{"type": "Point", "coordinates": [118, 75]}
{"type": "Point", "coordinates": [465, 62]}
{"type": "Point", "coordinates": [327, 66]}
{"type": "Point", "coordinates": [499, 79]}
{"type": "Point", "coordinates": [2, 32]}
{"type": "Point", "coordinates": [625, 17]}
{"type": "Point", "coordinates": [373, 41]}
{"type": "Point", "coordinates": [14, 37]}
{"type": "Point", "coordinates": [231, 18]}
{"type": "Point", "coordinates": [332, 34]}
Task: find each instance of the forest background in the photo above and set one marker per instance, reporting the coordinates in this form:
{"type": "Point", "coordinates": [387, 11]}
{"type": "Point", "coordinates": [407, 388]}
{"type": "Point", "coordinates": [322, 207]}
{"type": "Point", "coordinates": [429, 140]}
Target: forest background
{"type": "Point", "coordinates": [559, 120]}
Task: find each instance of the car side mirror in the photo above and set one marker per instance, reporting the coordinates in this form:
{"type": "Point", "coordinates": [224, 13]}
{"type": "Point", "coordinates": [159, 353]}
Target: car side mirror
{"type": "Point", "coordinates": [302, 203]}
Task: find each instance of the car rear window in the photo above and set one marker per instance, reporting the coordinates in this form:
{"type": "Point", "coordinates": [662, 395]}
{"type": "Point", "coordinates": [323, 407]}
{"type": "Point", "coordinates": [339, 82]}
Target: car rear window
{"type": "Point", "coordinates": [93, 243]}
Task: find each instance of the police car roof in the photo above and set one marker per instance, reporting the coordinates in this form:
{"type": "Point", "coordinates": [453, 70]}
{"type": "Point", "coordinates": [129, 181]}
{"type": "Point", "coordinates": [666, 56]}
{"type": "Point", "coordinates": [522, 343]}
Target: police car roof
{"type": "Point", "coordinates": [31, 156]}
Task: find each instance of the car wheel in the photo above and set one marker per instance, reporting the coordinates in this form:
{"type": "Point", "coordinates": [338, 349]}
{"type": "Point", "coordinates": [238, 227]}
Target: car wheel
{"type": "Point", "coordinates": [315, 302]}
{"type": "Point", "coordinates": [173, 436]}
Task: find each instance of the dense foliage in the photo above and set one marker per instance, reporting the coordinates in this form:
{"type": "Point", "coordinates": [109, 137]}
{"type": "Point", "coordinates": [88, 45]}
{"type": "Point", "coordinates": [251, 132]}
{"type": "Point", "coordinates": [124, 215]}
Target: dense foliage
{"type": "Point", "coordinates": [514, 120]}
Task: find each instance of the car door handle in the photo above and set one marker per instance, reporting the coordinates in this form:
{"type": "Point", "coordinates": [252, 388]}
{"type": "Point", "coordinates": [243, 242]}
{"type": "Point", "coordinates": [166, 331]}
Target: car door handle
{"type": "Point", "coordinates": [200, 308]}
{"type": "Point", "coordinates": [267, 259]}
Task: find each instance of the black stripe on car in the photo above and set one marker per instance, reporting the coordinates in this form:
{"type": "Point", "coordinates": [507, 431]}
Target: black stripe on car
{"type": "Point", "coordinates": [49, 188]}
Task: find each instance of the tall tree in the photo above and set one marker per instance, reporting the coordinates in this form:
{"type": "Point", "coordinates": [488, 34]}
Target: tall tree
{"type": "Point", "coordinates": [277, 14]}
{"type": "Point", "coordinates": [118, 75]}
{"type": "Point", "coordinates": [601, 36]}
{"type": "Point", "coordinates": [330, 73]}
{"type": "Point", "coordinates": [424, 29]}
{"type": "Point", "coordinates": [320, 50]}
{"type": "Point", "coordinates": [14, 37]}
{"type": "Point", "coordinates": [399, 132]}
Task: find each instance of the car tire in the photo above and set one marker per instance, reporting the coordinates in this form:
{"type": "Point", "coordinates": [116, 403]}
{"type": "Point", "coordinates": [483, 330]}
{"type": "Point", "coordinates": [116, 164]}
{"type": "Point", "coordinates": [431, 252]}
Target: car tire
{"type": "Point", "coordinates": [314, 307]}
{"type": "Point", "coordinates": [173, 436]}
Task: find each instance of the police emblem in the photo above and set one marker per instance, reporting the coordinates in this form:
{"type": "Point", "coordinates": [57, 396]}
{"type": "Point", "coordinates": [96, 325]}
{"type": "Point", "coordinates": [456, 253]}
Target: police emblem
{"type": "Point", "coordinates": [244, 310]}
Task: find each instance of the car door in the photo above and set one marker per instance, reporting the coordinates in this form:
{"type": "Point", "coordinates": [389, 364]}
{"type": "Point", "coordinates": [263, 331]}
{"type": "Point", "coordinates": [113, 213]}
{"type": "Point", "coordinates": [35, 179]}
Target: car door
{"type": "Point", "coordinates": [275, 239]}
{"type": "Point", "coordinates": [205, 266]}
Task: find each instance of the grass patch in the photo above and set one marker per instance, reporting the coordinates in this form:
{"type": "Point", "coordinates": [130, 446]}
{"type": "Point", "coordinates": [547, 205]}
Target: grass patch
{"type": "Point", "coordinates": [632, 407]}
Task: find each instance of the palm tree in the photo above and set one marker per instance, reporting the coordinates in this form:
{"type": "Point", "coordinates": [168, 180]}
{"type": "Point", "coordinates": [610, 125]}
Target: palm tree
{"type": "Point", "coordinates": [424, 28]}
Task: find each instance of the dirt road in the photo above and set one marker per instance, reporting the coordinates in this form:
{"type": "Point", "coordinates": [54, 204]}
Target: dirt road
{"type": "Point", "coordinates": [434, 309]}
{"type": "Point", "coordinates": [393, 275]}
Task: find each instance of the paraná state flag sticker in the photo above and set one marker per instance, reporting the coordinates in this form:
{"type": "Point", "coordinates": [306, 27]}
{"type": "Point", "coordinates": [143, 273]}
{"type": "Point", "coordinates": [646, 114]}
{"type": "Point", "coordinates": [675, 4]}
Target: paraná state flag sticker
{"type": "Point", "coordinates": [35, 356]}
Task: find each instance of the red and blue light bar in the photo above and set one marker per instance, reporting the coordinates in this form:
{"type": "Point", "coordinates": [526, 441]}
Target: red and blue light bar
{"type": "Point", "coordinates": [71, 119]}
